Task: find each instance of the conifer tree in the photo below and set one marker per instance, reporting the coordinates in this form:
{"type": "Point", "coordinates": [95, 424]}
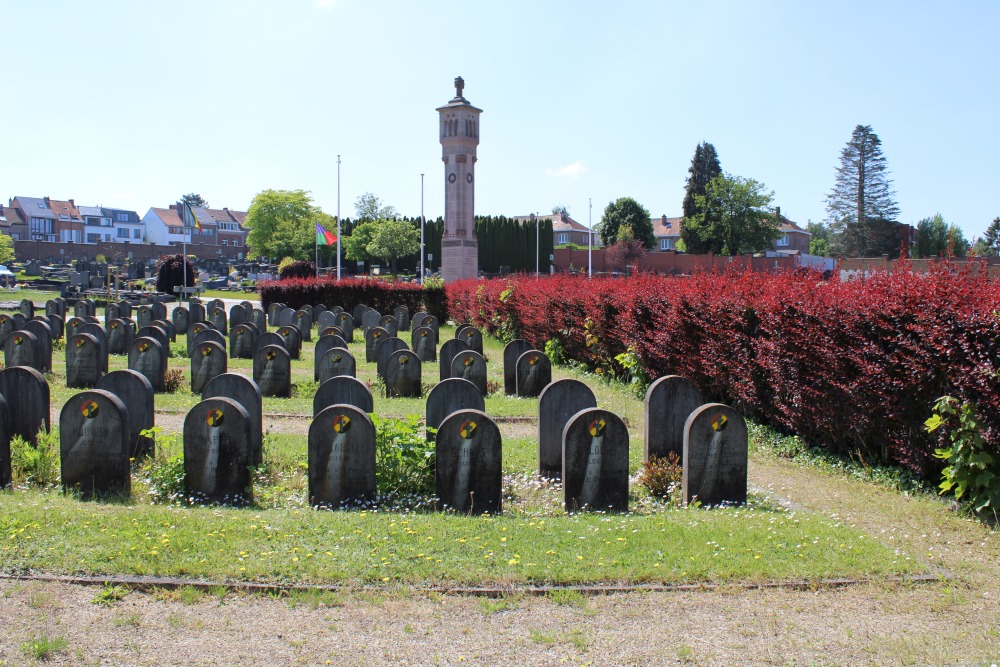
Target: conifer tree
{"type": "Point", "coordinates": [704, 167]}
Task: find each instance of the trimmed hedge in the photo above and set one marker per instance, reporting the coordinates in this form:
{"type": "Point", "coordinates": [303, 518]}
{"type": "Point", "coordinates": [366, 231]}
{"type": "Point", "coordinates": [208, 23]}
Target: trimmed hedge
{"type": "Point", "coordinates": [855, 367]}
{"type": "Point", "coordinates": [381, 295]}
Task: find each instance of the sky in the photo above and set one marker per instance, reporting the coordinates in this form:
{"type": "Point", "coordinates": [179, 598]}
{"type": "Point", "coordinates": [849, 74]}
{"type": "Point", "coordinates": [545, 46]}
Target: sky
{"type": "Point", "coordinates": [133, 104]}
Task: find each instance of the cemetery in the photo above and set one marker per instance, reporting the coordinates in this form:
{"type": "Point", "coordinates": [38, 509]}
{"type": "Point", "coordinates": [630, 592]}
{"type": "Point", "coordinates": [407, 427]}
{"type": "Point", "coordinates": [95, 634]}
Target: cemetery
{"type": "Point", "coordinates": [381, 466]}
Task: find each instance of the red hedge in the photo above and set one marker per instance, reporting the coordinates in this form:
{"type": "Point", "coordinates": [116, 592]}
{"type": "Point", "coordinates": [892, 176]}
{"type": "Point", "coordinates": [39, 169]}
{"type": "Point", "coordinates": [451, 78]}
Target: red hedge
{"type": "Point", "coordinates": [852, 366]}
{"type": "Point", "coordinates": [381, 295]}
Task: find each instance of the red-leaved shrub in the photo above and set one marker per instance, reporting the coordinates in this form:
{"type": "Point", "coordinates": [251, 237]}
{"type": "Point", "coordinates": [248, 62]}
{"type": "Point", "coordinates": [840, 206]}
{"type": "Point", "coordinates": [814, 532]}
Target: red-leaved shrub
{"type": "Point", "coordinates": [853, 366]}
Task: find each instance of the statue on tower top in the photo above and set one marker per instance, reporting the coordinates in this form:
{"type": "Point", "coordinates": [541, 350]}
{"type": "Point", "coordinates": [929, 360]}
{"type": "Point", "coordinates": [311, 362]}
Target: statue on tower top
{"type": "Point", "coordinates": [459, 87]}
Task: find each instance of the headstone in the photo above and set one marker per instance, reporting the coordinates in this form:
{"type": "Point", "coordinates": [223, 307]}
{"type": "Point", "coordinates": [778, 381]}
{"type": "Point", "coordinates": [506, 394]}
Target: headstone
{"type": "Point", "coordinates": [181, 318]}
{"type": "Point", "coordinates": [101, 334]}
{"type": "Point", "coordinates": [135, 391]}
{"type": "Point", "coordinates": [292, 339]}
{"type": "Point", "coordinates": [449, 396]}
{"type": "Point", "coordinates": [326, 318]}
{"type": "Point", "coordinates": [343, 390]}
{"type": "Point", "coordinates": [145, 355]}
{"type": "Point", "coordinates": [323, 344]}
{"type": "Point", "coordinates": [241, 341]}
{"type": "Point", "coordinates": [422, 342]}
{"type": "Point", "coordinates": [272, 371]}
{"type": "Point", "coordinates": [218, 452]}
{"type": "Point", "coordinates": [511, 353]}
{"type": "Point", "coordinates": [167, 326]}
{"type": "Point", "coordinates": [336, 361]}
{"type": "Point", "coordinates": [238, 314]}
{"type": "Point", "coordinates": [388, 322]}
{"type": "Point", "coordinates": [534, 372]}
{"type": "Point", "coordinates": [53, 307]}
{"type": "Point", "coordinates": [144, 316]}
{"type": "Point", "coordinates": [470, 365]}
{"type": "Point", "coordinates": [595, 462]}
{"type": "Point", "coordinates": [460, 329]}
{"type": "Point", "coordinates": [159, 309]}
{"type": "Point", "coordinates": [247, 394]}
{"type": "Point", "coordinates": [94, 445]}
{"type": "Point", "coordinates": [447, 354]}
{"type": "Point", "coordinates": [558, 402]}
{"type": "Point", "coordinates": [217, 316]}
{"type": "Point", "coordinates": [374, 337]}
{"type": "Point", "coordinates": [21, 348]}
{"type": "Point", "coordinates": [402, 316]}
{"type": "Point", "coordinates": [385, 349]}
{"type": "Point", "coordinates": [346, 324]}
{"type": "Point", "coordinates": [82, 308]}
{"type": "Point", "coordinates": [206, 335]}
{"type": "Point", "coordinates": [358, 314]}
{"type": "Point", "coordinates": [27, 396]}
{"type": "Point", "coordinates": [273, 310]}
{"type": "Point", "coordinates": [7, 326]}
{"type": "Point", "coordinates": [715, 456]}
{"type": "Point", "coordinates": [119, 337]}
{"type": "Point", "coordinates": [43, 334]}
{"type": "Point", "coordinates": [258, 319]}
{"type": "Point", "coordinates": [209, 359]}
{"type": "Point", "coordinates": [111, 312]}
{"type": "Point", "coordinates": [286, 317]}
{"type": "Point", "coordinates": [125, 310]}
{"type": "Point", "coordinates": [303, 321]}
{"type": "Point", "coordinates": [27, 308]}
{"type": "Point", "coordinates": [196, 313]}
{"type": "Point", "coordinates": [318, 310]}
{"type": "Point", "coordinates": [669, 401]}
{"type": "Point", "coordinates": [431, 323]}
{"type": "Point", "coordinates": [468, 463]}
{"type": "Point", "coordinates": [156, 332]}
{"type": "Point", "coordinates": [370, 320]}
{"type": "Point", "coordinates": [341, 457]}
{"type": "Point", "coordinates": [215, 303]}
{"type": "Point", "coordinates": [473, 337]}
{"type": "Point", "coordinates": [57, 325]}
{"type": "Point", "coordinates": [268, 338]}
{"type": "Point", "coordinates": [84, 366]}
{"type": "Point", "coordinates": [402, 375]}
{"type": "Point", "coordinates": [5, 469]}
{"type": "Point", "coordinates": [417, 320]}
{"type": "Point", "coordinates": [19, 320]}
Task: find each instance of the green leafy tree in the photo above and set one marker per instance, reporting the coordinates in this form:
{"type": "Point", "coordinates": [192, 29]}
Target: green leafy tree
{"type": "Point", "coordinates": [819, 242]}
{"type": "Point", "coordinates": [626, 211]}
{"type": "Point", "coordinates": [704, 167]}
{"type": "Point", "coordinates": [560, 208]}
{"type": "Point", "coordinates": [392, 240]}
{"type": "Point", "coordinates": [734, 217]}
{"type": "Point", "coordinates": [6, 249]}
{"type": "Point", "coordinates": [282, 223]}
{"type": "Point", "coordinates": [194, 199]}
{"type": "Point", "coordinates": [356, 245]}
{"type": "Point", "coordinates": [989, 245]}
{"type": "Point", "coordinates": [369, 208]}
{"type": "Point", "coordinates": [936, 238]}
{"type": "Point", "coordinates": [862, 208]}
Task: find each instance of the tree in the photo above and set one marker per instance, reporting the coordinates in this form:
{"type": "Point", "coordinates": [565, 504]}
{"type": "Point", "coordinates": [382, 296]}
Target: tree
{"type": "Point", "coordinates": [170, 270]}
{"type": "Point", "coordinates": [626, 211]}
{"type": "Point", "coordinates": [6, 249]}
{"type": "Point", "coordinates": [819, 242]}
{"type": "Point", "coordinates": [626, 250]}
{"type": "Point", "coordinates": [734, 218]}
{"type": "Point", "coordinates": [296, 269]}
{"type": "Point", "coordinates": [282, 223]}
{"type": "Point", "coordinates": [989, 245]}
{"type": "Point", "coordinates": [392, 240]}
{"type": "Point", "coordinates": [936, 238]}
{"type": "Point", "coordinates": [356, 245]}
{"type": "Point", "coordinates": [704, 167]}
{"type": "Point", "coordinates": [862, 201]}
{"type": "Point", "coordinates": [194, 199]}
{"type": "Point", "coordinates": [370, 208]}
{"type": "Point", "coordinates": [560, 208]}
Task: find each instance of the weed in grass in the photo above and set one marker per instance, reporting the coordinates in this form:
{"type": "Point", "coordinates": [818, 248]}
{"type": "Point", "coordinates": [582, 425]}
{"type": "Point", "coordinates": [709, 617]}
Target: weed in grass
{"type": "Point", "coordinates": [567, 597]}
{"type": "Point", "coordinates": [36, 465]}
{"type": "Point", "coordinates": [496, 605]}
{"type": "Point", "coordinates": [41, 600]}
{"type": "Point", "coordinates": [685, 653]}
{"type": "Point", "coordinates": [131, 620]}
{"type": "Point", "coordinates": [173, 380]}
{"type": "Point", "coordinates": [578, 638]}
{"type": "Point", "coordinates": [43, 647]}
{"type": "Point", "coordinates": [408, 629]}
{"type": "Point", "coordinates": [219, 592]}
{"type": "Point", "coordinates": [661, 475]}
{"type": "Point", "coordinates": [189, 595]}
{"type": "Point", "coordinates": [305, 388]}
{"type": "Point", "coordinates": [543, 638]}
{"type": "Point", "coordinates": [174, 621]}
{"type": "Point", "coordinates": [110, 595]}
{"type": "Point", "coordinates": [314, 598]}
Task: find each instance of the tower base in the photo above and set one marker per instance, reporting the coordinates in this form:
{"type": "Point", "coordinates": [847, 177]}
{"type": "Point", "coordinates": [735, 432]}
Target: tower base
{"type": "Point", "coordinates": [459, 260]}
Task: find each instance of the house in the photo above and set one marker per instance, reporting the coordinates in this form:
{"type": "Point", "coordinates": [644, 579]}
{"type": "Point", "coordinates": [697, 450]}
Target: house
{"type": "Point", "coordinates": [230, 226]}
{"type": "Point", "coordinates": [219, 227]}
{"type": "Point", "coordinates": [667, 232]}
{"type": "Point", "coordinates": [564, 229]}
{"type": "Point", "coordinates": [12, 223]}
{"type": "Point", "coordinates": [50, 219]}
{"type": "Point", "coordinates": [793, 239]}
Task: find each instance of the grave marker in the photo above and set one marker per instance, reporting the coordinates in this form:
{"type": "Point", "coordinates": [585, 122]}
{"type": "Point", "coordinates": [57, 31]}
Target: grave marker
{"type": "Point", "coordinates": [343, 390]}
{"type": "Point", "coordinates": [93, 444]}
{"type": "Point", "coordinates": [341, 457]}
{"type": "Point", "coordinates": [511, 353]}
{"type": "Point", "coordinates": [209, 359]}
{"type": "Point", "coordinates": [468, 463]}
{"type": "Point", "coordinates": [27, 396]}
{"type": "Point", "coordinates": [715, 456]}
{"type": "Point", "coordinates": [558, 402]}
{"type": "Point", "coordinates": [470, 365]}
{"type": "Point", "coordinates": [145, 355]}
{"type": "Point", "coordinates": [449, 396]}
{"type": "Point", "coordinates": [84, 366]}
{"type": "Point", "coordinates": [595, 462]}
{"type": "Point", "coordinates": [669, 401]}
{"type": "Point", "coordinates": [135, 391]}
{"type": "Point", "coordinates": [402, 374]}
{"type": "Point", "coordinates": [217, 452]}
{"type": "Point", "coordinates": [272, 371]}
{"type": "Point", "coordinates": [247, 394]}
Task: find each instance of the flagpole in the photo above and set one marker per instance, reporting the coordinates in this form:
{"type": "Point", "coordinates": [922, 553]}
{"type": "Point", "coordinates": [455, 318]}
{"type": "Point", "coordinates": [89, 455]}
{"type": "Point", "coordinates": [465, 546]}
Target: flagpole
{"type": "Point", "coordinates": [338, 218]}
{"type": "Point", "coordinates": [590, 237]}
{"type": "Point", "coordinates": [316, 247]}
{"type": "Point", "coordinates": [422, 222]}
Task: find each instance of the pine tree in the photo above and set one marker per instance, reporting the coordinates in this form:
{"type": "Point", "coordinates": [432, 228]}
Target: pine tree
{"type": "Point", "coordinates": [704, 167]}
{"type": "Point", "coordinates": [862, 206]}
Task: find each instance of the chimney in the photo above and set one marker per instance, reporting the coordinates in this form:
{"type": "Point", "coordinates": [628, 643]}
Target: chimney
{"type": "Point", "coordinates": [72, 203]}
{"type": "Point", "coordinates": [663, 218]}
{"type": "Point", "coordinates": [46, 198]}
{"type": "Point", "coordinates": [777, 211]}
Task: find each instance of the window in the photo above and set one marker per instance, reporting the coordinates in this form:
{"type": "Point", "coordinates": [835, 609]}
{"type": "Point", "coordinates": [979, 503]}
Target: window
{"type": "Point", "coordinates": [122, 232]}
{"type": "Point", "coordinates": [41, 205]}
{"type": "Point", "coordinates": [136, 234]}
{"type": "Point", "coordinates": [561, 238]}
{"type": "Point", "coordinates": [105, 222]}
{"type": "Point", "coordinates": [783, 240]}
{"type": "Point", "coordinates": [93, 238]}
{"type": "Point", "coordinates": [665, 244]}
{"type": "Point", "coordinates": [41, 226]}
{"type": "Point", "coordinates": [16, 237]}
{"type": "Point", "coordinates": [225, 242]}
{"type": "Point", "coordinates": [63, 216]}
{"type": "Point", "coordinates": [121, 217]}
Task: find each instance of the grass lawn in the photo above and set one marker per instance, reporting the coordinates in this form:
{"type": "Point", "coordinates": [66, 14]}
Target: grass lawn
{"type": "Point", "coordinates": [280, 539]}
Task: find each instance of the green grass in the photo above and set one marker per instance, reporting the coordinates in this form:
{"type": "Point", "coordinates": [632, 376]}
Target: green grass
{"type": "Point", "coordinates": [43, 647]}
{"type": "Point", "coordinates": [281, 540]}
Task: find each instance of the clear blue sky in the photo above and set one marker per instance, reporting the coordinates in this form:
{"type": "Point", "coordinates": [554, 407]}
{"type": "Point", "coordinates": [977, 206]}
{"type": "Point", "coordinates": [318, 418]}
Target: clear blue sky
{"type": "Point", "coordinates": [132, 104]}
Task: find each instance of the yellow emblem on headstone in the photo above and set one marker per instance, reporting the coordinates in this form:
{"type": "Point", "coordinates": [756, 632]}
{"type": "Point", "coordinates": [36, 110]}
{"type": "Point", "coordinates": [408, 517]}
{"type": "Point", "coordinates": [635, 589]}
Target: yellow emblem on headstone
{"type": "Point", "coordinates": [719, 422]}
{"type": "Point", "coordinates": [532, 360]}
{"type": "Point", "coordinates": [270, 355]}
{"type": "Point", "coordinates": [596, 427]}
{"type": "Point", "coordinates": [206, 351]}
{"type": "Point", "coordinates": [215, 418]}
{"type": "Point", "coordinates": [467, 429]}
{"type": "Point", "coordinates": [18, 340]}
{"type": "Point", "coordinates": [468, 360]}
{"type": "Point", "coordinates": [89, 409]}
{"type": "Point", "coordinates": [143, 346]}
{"type": "Point", "coordinates": [80, 342]}
{"type": "Point", "coordinates": [341, 424]}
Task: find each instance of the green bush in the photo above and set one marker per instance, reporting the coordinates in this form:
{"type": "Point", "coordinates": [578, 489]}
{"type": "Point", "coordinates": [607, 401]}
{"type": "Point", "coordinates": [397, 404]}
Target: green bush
{"type": "Point", "coordinates": [404, 458]}
{"type": "Point", "coordinates": [973, 474]}
{"type": "Point", "coordinates": [35, 465]}
{"type": "Point", "coordinates": [164, 473]}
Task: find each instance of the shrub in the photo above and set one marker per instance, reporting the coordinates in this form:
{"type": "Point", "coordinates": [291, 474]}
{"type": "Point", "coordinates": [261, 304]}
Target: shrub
{"type": "Point", "coordinates": [404, 458]}
{"type": "Point", "coordinates": [381, 295]}
{"type": "Point", "coordinates": [35, 465]}
{"type": "Point", "coordinates": [163, 473]}
{"type": "Point", "coordinates": [170, 273]}
{"type": "Point", "coordinates": [973, 474]}
{"type": "Point", "coordinates": [661, 474]}
{"type": "Point", "coordinates": [300, 269]}
{"type": "Point", "coordinates": [173, 380]}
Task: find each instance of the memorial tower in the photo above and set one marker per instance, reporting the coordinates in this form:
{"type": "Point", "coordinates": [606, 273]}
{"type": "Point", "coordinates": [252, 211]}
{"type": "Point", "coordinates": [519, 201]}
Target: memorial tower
{"type": "Point", "coordinates": [459, 134]}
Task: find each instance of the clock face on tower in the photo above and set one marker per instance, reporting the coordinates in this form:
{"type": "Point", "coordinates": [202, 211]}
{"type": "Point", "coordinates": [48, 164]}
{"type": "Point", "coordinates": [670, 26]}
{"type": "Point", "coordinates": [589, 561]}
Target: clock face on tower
{"type": "Point", "coordinates": [468, 178]}
{"type": "Point", "coordinates": [451, 178]}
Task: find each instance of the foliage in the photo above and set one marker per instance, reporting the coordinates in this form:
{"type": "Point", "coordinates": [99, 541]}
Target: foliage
{"type": "Point", "coordinates": [6, 249]}
{"type": "Point", "coordinates": [511, 243]}
{"type": "Point", "coordinates": [35, 465]}
{"type": "Point", "coordinates": [381, 295]}
{"type": "Point", "coordinates": [626, 211]}
{"type": "Point", "coordinates": [170, 270]}
{"type": "Point", "coordinates": [819, 242]}
{"type": "Point", "coordinates": [555, 351]}
{"type": "Point", "coordinates": [625, 253]}
{"type": "Point", "coordinates": [109, 595]}
{"type": "Point", "coordinates": [989, 245]}
{"type": "Point", "coordinates": [282, 223]}
{"type": "Point", "coordinates": [43, 647]}
{"type": "Point", "coordinates": [853, 367]}
{"type": "Point", "coordinates": [392, 240]}
{"type": "Point", "coordinates": [560, 208]}
{"type": "Point", "coordinates": [404, 458]}
{"type": "Point", "coordinates": [661, 475]}
{"type": "Point", "coordinates": [356, 245]}
{"type": "Point", "coordinates": [173, 380]}
{"type": "Point", "coordinates": [734, 218]}
{"type": "Point", "coordinates": [637, 375]}
{"type": "Point", "coordinates": [973, 472]}
{"type": "Point", "coordinates": [297, 269]}
{"type": "Point", "coordinates": [936, 238]}
{"type": "Point", "coordinates": [862, 199]}
{"type": "Point", "coordinates": [704, 167]}
{"type": "Point", "coordinates": [194, 199]}
{"type": "Point", "coordinates": [368, 207]}
{"type": "Point", "coordinates": [163, 473]}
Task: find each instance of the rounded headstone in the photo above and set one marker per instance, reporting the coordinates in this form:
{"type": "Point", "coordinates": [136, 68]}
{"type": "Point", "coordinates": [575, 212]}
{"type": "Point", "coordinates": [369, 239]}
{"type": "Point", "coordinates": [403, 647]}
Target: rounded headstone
{"type": "Point", "coordinates": [385, 349]}
{"type": "Point", "coordinates": [558, 402]}
{"type": "Point", "coordinates": [511, 353]}
{"type": "Point", "coordinates": [84, 367]}
{"type": "Point", "coordinates": [468, 457]}
{"type": "Point", "coordinates": [715, 457]}
{"type": "Point", "coordinates": [218, 453]}
{"type": "Point", "coordinates": [272, 371]}
{"type": "Point", "coordinates": [241, 341]}
{"type": "Point", "coordinates": [135, 391]}
{"type": "Point", "coordinates": [146, 356]}
{"type": "Point", "coordinates": [336, 361]}
{"type": "Point", "coordinates": [247, 394]}
{"type": "Point", "coordinates": [346, 390]}
{"type": "Point", "coordinates": [595, 462]}
{"type": "Point", "coordinates": [449, 396]}
{"type": "Point", "coordinates": [534, 373]}
{"type": "Point", "coordinates": [292, 339]}
{"type": "Point", "coordinates": [341, 457]}
{"type": "Point", "coordinates": [402, 374]}
{"type": "Point", "coordinates": [27, 394]}
{"type": "Point", "coordinates": [93, 444]}
{"type": "Point", "coordinates": [423, 344]}
{"type": "Point", "coordinates": [470, 365]}
{"type": "Point", "coordinates": [209, 359]}
{"type": "Point", "coordinates": [669, 401]}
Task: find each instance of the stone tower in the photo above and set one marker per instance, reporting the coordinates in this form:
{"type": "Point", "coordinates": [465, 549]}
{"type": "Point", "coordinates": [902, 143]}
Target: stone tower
{"type": "Point", "coordinates": [459, 130]}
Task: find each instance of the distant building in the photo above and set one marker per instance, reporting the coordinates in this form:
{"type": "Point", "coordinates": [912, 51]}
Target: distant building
{"type": "Point", "coordinates": [50, 219]}
{"type": "Point", "coordinates": [12, 223]}
{"type": "Point", "coordinates": [564, 229]}
{"type": "Point", "coordinates": [111, 225]}
{"type": "Point", "coordinates": [667, 232]}
{"type": "Point", "coordinates": [219, 227]}
{"type": "Point", "coordinates": [793, 239]}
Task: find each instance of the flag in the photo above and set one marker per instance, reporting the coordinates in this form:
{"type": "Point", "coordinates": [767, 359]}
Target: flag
{"type": "Point", "coordinates": [324, 237]}
{"type": "Point", "coordinates": [190, 219]}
